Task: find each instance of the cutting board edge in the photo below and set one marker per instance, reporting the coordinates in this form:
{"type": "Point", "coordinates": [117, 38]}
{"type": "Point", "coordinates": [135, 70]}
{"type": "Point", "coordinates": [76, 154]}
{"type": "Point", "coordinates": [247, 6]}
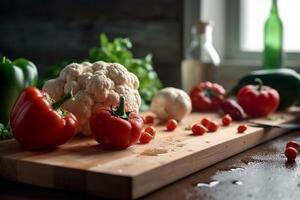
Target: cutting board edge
{"type": "Point", "coordinates": [146, 177]}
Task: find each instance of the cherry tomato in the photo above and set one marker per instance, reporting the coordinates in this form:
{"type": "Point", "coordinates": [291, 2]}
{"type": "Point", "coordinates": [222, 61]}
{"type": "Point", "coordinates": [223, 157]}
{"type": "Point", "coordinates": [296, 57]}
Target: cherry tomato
{"type": "Point", "coordinates": [212, 126]}
{"type": "Point", "coordinates": [205, 121]}
{"type": "Point", "coordinates": [199, 129]}
{"type": "Point", "coordinates": [241, 128]}
{"type": "Point", "coordinates": [258, 100]}
{"type": "Point", "coordinates": [149, 119]}
{"type": "Point", "coordinates": [226, 120]}
{"type": "Point", "coordinates": [294, 144]}
{"type": "Point", "coordinates": [207, 96]}
{"type": "Point", "coordinates": [291, 153]}
{"type": "Point", "coordinates": [171, 124]}
{"type": "Point", "coordinates": [145, 138]}
{"type": "Point", "coordinates": [151, 130]}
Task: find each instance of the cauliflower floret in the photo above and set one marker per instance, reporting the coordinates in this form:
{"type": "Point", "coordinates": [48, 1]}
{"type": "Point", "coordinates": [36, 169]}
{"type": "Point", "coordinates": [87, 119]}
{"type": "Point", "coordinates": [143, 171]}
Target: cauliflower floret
{"type": "Point", "coordinates": [95, 85]}
{"type": "Point", "coordinates": [55, 87]}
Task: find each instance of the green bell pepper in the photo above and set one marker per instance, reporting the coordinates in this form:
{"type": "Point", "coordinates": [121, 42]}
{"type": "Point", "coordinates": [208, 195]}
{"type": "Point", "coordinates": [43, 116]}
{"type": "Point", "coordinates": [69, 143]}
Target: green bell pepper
{"type": "Point", "coordinates": [286, 81]}
{"type": "Point", "coordinates": [14, 77]}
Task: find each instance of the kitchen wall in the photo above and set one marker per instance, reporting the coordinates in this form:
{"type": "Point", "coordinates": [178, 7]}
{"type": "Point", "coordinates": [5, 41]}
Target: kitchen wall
{"type": "Point", "coordinates": [51, 30]}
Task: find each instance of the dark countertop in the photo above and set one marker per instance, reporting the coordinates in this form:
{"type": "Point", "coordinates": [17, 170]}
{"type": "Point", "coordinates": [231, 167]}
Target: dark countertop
{"type": "Point", "coordinates": [259, 173]}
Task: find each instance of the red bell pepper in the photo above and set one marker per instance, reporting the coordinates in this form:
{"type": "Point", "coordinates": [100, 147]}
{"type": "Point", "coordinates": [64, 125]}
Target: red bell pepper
{"type": "Point", "coordinates": [37, 122]}
{"type": "Point", "coordinates": [207, 96]}
{"type": "Point", "coordinates": [258, 100]}
{"type": "Point", "coordinates": [116, 129]}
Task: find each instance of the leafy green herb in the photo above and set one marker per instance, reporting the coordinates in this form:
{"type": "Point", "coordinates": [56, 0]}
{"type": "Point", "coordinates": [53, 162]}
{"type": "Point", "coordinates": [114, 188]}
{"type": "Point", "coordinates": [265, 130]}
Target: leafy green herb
{"type": "Point", "coordinates": [5, 133]}
{"type": "Point", "coordinates": [118, 50]}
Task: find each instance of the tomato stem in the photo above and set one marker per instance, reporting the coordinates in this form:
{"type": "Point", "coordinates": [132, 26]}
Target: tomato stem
{"type": "Point", "coordinates": [57, 105]}
{"type": "Point", "coordinates": [259, 83]}
{"type": "Point", "coordinates": [120, 111]}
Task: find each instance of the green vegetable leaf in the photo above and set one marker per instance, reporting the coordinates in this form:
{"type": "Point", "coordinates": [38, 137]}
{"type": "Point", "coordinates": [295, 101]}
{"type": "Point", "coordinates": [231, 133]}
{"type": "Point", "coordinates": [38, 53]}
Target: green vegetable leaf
{"type": "Point", "coordinates": [5, 133]}
{"type": "Point", "coordinates": [118, 50]}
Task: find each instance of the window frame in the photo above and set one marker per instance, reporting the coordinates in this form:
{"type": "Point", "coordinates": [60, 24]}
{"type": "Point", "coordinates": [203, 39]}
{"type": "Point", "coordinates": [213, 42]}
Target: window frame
{"type": "Point", "coordinates": [234, 53]}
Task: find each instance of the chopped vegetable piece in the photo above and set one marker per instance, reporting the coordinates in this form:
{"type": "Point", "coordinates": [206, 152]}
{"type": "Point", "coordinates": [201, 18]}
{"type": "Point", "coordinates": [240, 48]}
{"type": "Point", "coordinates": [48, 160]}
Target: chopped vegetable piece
{"type": "Point", "coordinates": [294, 144]}
{"type": "Point", "coordinates": [171, 124]}
{"type": "Point", "coordinates": [212, 126]}
{"type": "Point", "coordinates": [145, 138]}
{"type": "Point", "coordinates": [149, 119]}
{"type": "Point", "coordinates": [199, 129]}
{"type": "Point", "coordinates": [231, 107]}
{"type": "Point", "coordinates": [205, 121]}
{"type": "Point", "coordinates": [241, 128]}
{"type": "Point", "coordinates": [226, 120]}
{"type": "Point", "coordinates": [151, 130]}
{"type": "Point", "coordinates": [291, 153]}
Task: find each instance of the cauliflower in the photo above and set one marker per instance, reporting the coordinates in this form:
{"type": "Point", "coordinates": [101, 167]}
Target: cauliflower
{"type": "Point", "coordinates": [95, 85]}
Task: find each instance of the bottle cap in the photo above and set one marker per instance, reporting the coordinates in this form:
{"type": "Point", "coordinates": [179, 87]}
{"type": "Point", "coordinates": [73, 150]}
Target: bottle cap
{"type": "Point", "coordinates": [201, 26]}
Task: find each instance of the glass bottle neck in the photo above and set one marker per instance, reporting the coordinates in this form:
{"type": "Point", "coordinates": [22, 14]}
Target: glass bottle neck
{"type": "Point", "coordinates": [274, 8]}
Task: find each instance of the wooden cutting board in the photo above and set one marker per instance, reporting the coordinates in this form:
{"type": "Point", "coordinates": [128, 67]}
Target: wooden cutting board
{"type": "Point", "coordinates": [82, 165]}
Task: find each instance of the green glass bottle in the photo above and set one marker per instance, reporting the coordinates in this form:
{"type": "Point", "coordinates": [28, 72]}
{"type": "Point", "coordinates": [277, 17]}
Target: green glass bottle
{"type": "Point", "coordinates": [273, 39]}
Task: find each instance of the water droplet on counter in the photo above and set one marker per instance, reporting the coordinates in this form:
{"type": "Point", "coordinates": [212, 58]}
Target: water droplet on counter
{"type": "Point", "coordinates": [208, 184]}
{"type": "Point", "coordinates": [248, 161]}
{"type": "Point", "coordinates": [236, 182]}
{"type": "Point", "coordinates": [231, 169]}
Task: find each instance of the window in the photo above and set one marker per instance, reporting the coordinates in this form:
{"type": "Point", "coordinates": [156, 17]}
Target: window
{"type": "Point", "coordinates": [245, 23]}
{"type": "Point", "coordinates": [253, 16]}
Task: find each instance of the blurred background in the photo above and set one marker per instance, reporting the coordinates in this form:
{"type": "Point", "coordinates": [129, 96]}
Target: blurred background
{"type": "Point", "coordinates": [51, 31]}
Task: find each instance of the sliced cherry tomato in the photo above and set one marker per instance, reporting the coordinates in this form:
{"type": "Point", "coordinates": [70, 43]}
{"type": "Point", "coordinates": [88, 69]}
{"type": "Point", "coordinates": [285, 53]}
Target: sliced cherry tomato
{"type": "Point", "coordinates": [226, 120]}
{"type": "Point", "coordinates": [149, 119]}
{"type": "Point", "coordinates": [291, 153]}
{"type": "Point", "coordinates": [145, 138]}
{"type": "Point", "coordinates": [171, 124]}
{"type": "Point", "coordinates": [151, 130]}
{"type": "Point", "coordinates": [241, 128]}
{"type": "Point", "coordinates": [212, 126]}
{"type": "Point", "coordinates": [205, 121]}
{"type": "Point", "coordinates": [199, 129]}
{"type": "Point", "coordinates": [294, 144]}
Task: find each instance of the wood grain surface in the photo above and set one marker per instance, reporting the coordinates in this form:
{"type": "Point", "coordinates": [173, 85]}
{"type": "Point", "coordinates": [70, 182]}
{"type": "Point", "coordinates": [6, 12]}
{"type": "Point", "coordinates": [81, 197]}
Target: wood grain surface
{"type": "Point", "coordinates": [82, 165]}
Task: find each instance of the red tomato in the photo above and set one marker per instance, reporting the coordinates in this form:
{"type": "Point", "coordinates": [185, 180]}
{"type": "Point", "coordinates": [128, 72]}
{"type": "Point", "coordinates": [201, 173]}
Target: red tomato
{"type": "Point", "coordinates": [171, 124]}
{"type": "Point", "coordinates": [145, 138]}
{"type": "Point", "coordinates": [207, 96]}
{"type": "Point", "coordinates": [114, 128]}
{"type": "Point", "coordinates": [199, 129]}
{"type": "Point", "coordinates": [205, 121]}
{"type": "Point", "coordinates": [294, 144]}
{"type": "Point", "coordinates": [151, 130]}
{"type": "Point", "coordinates": [212, 126]}
{"type": "Point", "coordinates": [291, 153]}
{"type": "Point", "coordinates": [241, 128]}
{"type": "Point", "coordinates": [226, 120]}
{"type": "Point", "coordinates": [258, 100]}
{"type": "Point", "coordinates": [149, 119]}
